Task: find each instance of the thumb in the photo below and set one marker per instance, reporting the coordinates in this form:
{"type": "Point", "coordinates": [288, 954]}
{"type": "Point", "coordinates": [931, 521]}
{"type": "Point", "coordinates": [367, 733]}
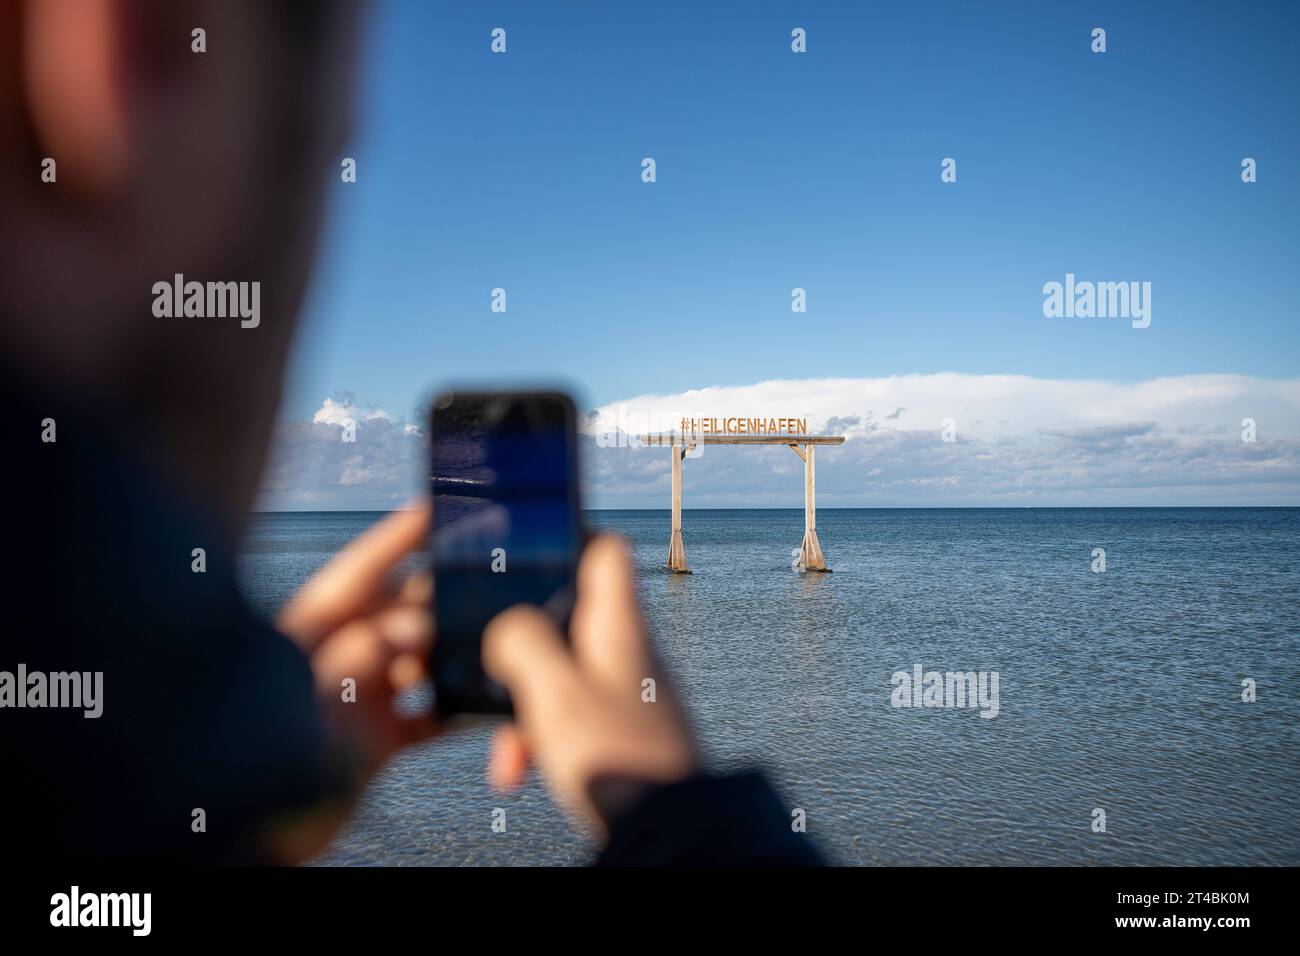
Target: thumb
{"type": "Point", "coordinates": [524, 652]}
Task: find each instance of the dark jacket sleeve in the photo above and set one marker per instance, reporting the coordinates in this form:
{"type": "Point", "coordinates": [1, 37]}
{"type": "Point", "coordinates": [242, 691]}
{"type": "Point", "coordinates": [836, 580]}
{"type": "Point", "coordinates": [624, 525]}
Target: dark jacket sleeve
{"type": "Point", "coordinates": [207, 733]}
{"type": "Point", "coordinates": [709, 821]}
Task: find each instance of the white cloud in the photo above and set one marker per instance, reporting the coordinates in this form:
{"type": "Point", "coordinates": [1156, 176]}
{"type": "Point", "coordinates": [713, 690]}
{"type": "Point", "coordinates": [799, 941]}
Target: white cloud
{"type": "Point", "coordinates": [343, 408]}
{"type": "Point", "coordinates": [987, 407]}
{"type": "Point", "coordinates": [1020, 441]}
{"type": "Point", "coordinates": [313, 468]}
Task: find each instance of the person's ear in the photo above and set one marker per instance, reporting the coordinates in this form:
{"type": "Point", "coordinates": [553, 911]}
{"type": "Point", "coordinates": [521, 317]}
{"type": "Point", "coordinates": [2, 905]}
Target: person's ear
{"type": "Point", "coordinates": [76, 79]}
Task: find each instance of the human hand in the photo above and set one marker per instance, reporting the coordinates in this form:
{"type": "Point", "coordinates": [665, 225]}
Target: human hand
{"type": "Point", "coordinates": [579, 708]}
{"type": "Point", "coordinates": [353, 622]}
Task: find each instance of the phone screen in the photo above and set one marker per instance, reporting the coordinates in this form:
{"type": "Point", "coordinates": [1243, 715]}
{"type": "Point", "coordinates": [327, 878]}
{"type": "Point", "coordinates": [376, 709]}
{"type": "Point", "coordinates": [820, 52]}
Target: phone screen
{"type": "Point", "coordinates": [506, 528]}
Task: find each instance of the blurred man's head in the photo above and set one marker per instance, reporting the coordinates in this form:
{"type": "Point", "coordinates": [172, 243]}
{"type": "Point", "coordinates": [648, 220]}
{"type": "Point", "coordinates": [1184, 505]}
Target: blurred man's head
{"type": "Point", "coordinates": [166, 160]}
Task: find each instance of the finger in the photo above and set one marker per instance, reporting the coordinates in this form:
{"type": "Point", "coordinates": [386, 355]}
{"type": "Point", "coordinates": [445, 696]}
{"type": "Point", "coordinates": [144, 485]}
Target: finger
{"type": "Point", "coordinates": [383, 545]}
{"type": "Point", "coordinates": [417, 589]}
{"type": "Point", "coordinates": [507, 759]}
{"type": "Point", "coordinates": [523, 651]}
{"type": "Point", "coordinates": [608, 634]}
{"type": "Point", "coordinates": [406, 629]}
{"type": "Point", "coordinates": [354, 582]}
{"type": "Point", "coordinates": [406, 670]}
{"type": "Point", "coordinates": [357, 651]}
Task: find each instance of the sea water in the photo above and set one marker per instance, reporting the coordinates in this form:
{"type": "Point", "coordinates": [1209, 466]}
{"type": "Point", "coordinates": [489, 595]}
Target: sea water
{"type": "Point", "coordinates": [1119, 690]}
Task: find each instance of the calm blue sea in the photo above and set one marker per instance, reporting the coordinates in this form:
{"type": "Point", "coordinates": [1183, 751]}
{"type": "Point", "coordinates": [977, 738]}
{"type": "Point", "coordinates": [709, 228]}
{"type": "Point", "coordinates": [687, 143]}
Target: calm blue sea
{"type": "Point", "coordinates": [1119, 691]}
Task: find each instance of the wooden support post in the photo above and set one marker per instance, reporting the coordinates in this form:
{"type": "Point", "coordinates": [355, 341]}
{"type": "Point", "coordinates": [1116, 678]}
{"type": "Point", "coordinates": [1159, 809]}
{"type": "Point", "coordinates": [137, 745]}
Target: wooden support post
{"type": "Point", "coordinates": [810, 552]}
{"type": "Point", "coordinates": [676, 550]}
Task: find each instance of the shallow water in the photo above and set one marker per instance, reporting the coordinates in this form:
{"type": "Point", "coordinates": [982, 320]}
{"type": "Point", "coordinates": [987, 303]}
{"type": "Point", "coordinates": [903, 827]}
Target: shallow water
{"type": "Point", "coordinates": [1118, 690]}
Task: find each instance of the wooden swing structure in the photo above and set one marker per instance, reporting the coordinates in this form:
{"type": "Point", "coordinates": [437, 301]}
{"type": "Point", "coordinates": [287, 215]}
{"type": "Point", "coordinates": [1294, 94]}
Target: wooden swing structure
{"type": "Point", "coordinates": [805, 446]}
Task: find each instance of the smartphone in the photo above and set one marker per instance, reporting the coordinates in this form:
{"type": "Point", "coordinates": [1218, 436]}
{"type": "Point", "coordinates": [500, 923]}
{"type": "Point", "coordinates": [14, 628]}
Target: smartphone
{"type": "Point", "coordinates": [506, 528]}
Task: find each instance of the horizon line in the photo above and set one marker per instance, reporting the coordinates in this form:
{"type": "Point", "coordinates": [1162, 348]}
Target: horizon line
{"type": "Point", "coordinates": [325, 511]}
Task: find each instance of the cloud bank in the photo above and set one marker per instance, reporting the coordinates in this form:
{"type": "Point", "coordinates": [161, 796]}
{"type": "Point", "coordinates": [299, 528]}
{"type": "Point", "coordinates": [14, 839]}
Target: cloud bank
{"type": "Point", "coordinates": [312, 467]}
{"type": "Point", "coordinates": [1017, 440]}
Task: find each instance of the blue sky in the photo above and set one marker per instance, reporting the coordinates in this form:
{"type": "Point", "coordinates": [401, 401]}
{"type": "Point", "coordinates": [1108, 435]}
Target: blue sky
{"type": "Point", "coordinates": [819, 170]}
